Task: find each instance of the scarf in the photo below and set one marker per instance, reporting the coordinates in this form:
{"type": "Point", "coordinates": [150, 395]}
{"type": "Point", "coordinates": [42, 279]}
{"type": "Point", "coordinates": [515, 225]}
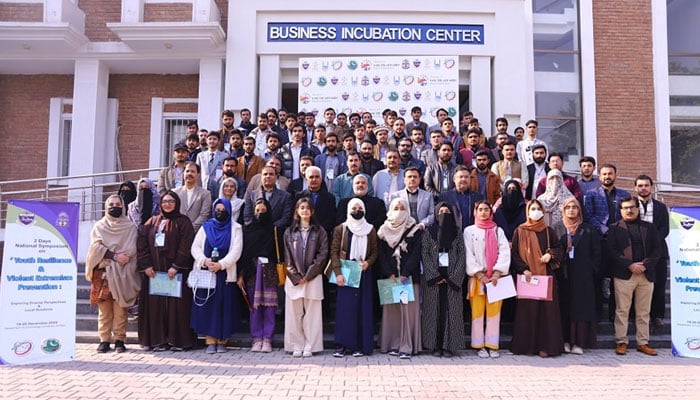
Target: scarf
{"type": "Point", "coordinates": [118, 235]}
{"type": "Point", "coordinates": [127, 191]}
{"type": "Point", "coordinates": [360, 229]}
{"type": "Point", "coordinates": [218, 233]}
{"type": "Point", "coordinates": [236, 203]}
{"type": "Point", "coordinates": [445, 230]}
{"type": "Point", "coordinates": [146, 205]}
{"type": "Point", "coordinates": [398, 222]}
{"type": "Point", "coordinates": [491, 241]}
{"type": "Point", "coordinates": [529, 246]}
{"type": "Point", "coordinates": [513, 200]}
{"type": "Point", "coordinates": [571, 224]}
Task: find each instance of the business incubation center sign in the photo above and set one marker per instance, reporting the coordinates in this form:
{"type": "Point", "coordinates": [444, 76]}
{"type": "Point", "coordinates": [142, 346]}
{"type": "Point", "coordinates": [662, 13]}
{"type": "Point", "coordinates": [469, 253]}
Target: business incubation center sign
{"type": "Point", "coordinates": [369, 32]}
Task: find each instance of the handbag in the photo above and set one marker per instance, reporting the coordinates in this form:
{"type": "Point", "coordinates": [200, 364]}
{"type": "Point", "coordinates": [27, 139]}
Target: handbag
{"type": "Point", "coordinates": [553, 264]}
{"type": "Point", "coordinates": [99, 287]}
{"type": "Point", "coordinates": [281, 268]}
{"type": "Point", "coordinates": [201, 279]}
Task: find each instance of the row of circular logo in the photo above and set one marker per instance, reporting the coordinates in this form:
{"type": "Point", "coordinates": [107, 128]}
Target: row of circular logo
{"type": "Point", "coordinates": [365, 80]}
{"type": "Point", "coordinates": [451, 111]}
{"type": "Point", "coordinates": [377, 96]}
{"type": "Point", "coordinates": [366, 65]}
{"type": "Point", "coordinates": [48, 346]}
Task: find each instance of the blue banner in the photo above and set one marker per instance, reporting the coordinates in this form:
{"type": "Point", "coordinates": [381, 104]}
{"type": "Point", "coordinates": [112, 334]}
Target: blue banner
{"type": "Point", "coordinates": [377, 33]}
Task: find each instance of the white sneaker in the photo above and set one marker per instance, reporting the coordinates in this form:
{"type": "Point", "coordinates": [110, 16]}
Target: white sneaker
{"type": "Point", "coordinates": [296, 353]}
{"type": "Point", "coordinates": [567, 348]}
{"type": "Point", "coordinates": [494, 353]}
{"type": "Point", "coordinates": [576, 350]}
{"type": "Point", "coordinates": [483, 353]}
{"type": "Point", "coordinates": [257, 346]}
{"type": "Point", "coordinates": [307, 354]}
{"type": "Point", "coordinates": [266, 346]}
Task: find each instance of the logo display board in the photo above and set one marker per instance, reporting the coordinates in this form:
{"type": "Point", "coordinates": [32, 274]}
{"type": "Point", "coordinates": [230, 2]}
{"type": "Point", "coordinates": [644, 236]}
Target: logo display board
{"type": "Point", "coordinates": [38, 286]}
{"type": "Point", "coordinates": [372, 84]}
{"type": "Point", "coordinates": [684, 250]}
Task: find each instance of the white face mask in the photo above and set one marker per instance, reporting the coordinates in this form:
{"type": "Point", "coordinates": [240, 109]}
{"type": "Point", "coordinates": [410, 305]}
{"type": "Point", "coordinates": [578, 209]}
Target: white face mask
{"type": "Point", "coordinates": [536, 215]}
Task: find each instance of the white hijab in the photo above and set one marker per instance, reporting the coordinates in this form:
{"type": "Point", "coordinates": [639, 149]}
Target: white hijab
{"type": "Point", "coordinates": [360, 229]}
{"type": "Point", "coordinates": [236, 203]}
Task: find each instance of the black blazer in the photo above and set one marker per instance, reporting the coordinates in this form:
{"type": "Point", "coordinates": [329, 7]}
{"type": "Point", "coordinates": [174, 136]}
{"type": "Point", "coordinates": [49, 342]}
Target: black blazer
{"type": "Point", "coordinates": [531, 179]}
{"type": "Point", "coordinates": [661, 222]}
{"type": "Point", "coordinates": [620, 249]}
{"type": "Point", "coordinates": [324, 209]}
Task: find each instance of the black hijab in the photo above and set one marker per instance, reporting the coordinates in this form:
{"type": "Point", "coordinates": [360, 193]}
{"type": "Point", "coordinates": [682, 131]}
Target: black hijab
{"type": "Point", "coordinates": [127, 191]}
{"type": "Point", "coordinates": [444, 229]}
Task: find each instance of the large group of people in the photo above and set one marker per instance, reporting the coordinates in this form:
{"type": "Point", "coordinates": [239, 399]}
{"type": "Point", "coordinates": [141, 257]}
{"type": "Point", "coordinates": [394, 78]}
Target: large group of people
{"type": "Point", "coordinates": [440, 215]}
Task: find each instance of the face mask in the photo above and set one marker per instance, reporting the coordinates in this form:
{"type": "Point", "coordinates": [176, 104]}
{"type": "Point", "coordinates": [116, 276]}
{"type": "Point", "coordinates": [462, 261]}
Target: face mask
{"type": "Point", "coordinates": [357, 214]}
{"type": "Point", "coordinates": [536, 215]}
{"type": "Point", "coordinates": [221, 215]}
{"type": "Point", "coordinates": [115, 212]}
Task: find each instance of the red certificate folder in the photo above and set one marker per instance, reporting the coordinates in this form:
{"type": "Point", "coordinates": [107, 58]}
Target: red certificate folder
{"type": "Point", "coordinates": [539, 288]}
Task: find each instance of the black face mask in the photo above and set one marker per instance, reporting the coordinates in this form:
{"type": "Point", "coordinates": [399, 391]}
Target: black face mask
{"type": "Point", "coordinates": [115, 212]}
{"type": "Point", "coordinates": [221, 215]}
{"type": "Point", "coordinates": [357, 214]}
{"type": "Point", "coordinates": [263, 218]}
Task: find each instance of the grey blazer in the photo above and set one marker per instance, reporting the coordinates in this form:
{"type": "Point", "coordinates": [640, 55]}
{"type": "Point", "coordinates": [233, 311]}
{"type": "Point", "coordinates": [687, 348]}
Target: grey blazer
{"type": "Point", "coordinates": [199, 208]}
{"type": "Point", "coordinates": [281, 203]}
{"type": "Point", "coordinates": [426, 205]}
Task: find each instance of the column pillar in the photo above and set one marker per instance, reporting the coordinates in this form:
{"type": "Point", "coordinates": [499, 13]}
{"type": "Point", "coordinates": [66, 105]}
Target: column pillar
{"type": "Point", "coordinates": [480, 92]}
{"type": "Point", "coordinates": [270, 90]}
{"type": "Point", "coordinates": [211, 92]}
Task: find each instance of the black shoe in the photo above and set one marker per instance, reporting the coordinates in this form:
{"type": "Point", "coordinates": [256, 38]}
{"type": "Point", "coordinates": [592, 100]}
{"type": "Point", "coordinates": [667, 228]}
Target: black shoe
{"type": "Point", "coordinates": [119, 346]}
{"type": "Point", "coordinates": [437, 353]}
{"type": "Point", "coordinates": [103, 347]}
{"type": "Point", "coordinates": [447, 354]}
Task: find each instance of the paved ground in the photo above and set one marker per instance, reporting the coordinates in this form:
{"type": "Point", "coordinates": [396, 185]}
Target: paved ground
{"type": "Point", "coordinates": [240, 374]}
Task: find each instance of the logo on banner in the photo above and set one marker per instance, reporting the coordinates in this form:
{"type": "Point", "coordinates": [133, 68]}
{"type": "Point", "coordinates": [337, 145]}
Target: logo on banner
{"type": "Point", "coordinates": [22, 348]}
{"type": "Point", "coordinates": [366, 65]}
{"type": "Point", "coordinates": [688, 224]}
{"type": "Point", "coordinates": [305, 98]}
{"type": "Point", "coordinates": [26, 218]}
{"type": "Point", "coordinates": [62, 220]}
{"type": "Point", "coordinates": [352, 65]}
{"type": "Point", "coordinates": [52, 345]}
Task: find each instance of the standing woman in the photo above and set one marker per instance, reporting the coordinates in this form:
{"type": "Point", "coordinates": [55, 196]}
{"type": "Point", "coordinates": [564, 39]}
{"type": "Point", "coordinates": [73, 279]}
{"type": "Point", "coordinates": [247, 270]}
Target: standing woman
{"type": "Point", "coordinates": [354, 239]}
{"type": "Point", "coordinates": [488, 258]}
{"type": "Point", "coordinates": [399, 258]}
{"type": "Point", "coordinates": [552, 199]}
{"type": "Point", "coordinates": [537, 327]}
{"type": "Point", "coordinates": [443, 269]}
{"type": "Point", "coordinates": [127, 191]}
{"type": "Point", "coordinates": [511, 212]}
{"type": "Point", "coordinates": [583, 258]}
{"type": "Point", "coordinates": [219, 317]}
{"type": "Point", "coordinates": [306, 253]}
{"type": "Point", "coordinates": [146, 205]}
{"type": "Point", "coordinates": [257, 275]}
{"type": "Point", "coordinates": [164, 245]}
{"type": "Point", "coordinates": [228, 190]}
{"type": "Point", "coordinates": [111, 268]}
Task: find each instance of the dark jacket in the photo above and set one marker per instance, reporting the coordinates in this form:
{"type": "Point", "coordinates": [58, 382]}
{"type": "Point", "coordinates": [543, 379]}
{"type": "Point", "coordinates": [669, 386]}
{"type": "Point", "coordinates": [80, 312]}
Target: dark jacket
{"type": "Point", "coordinates": [620, 249]}
{"type": "Point", "coordinates": [306, 264]}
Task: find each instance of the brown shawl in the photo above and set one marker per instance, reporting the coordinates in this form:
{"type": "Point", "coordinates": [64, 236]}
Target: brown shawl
{"type": "Point", "coordinates": [528, 246]}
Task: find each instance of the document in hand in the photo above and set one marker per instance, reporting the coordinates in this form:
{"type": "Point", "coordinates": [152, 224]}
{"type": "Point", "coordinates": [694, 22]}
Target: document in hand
{"type": "Point", "coordinates": [352, 272]}
{"type": "Point", "coordinates": [539, 288]}
{"type": "Point", "coordinates": [505, 289]}
{"type": "Point", "coordinates": [393, 291]}
{"type": "Point", "coordinates": [162, 285]}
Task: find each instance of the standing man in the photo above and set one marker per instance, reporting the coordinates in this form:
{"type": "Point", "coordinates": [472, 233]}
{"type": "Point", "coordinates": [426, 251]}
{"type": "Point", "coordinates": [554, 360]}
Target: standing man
{"type": "Point", "coordinates": [342, 186]}
{"type": "Point", "coordinates": [406, 154]}
{"type": "Point", "coordinates": [246, 125]}
{"type": "Point", "coordinates": [280, 201]}
{"type": "Point", "coordinates": [210, 160]}
{"type": "Point", "coordinates": [420, 202]}
{"type": "Point", "coordinates": [228, 167]}
{"type": "Point", "coordinates": [527, 146]}
{"type": "Point", "coordinates": [461, 198]}
{"type": "Point", "coordinates": [438, 175]}
{"type": "Point", "coordinates": [369, 165]}
{"type": "Point", "coordinates": [173, 176]}
{"type": "Point", "coordinates": [556, 161]}
{"type": "Point", "coordinates": [416, 114]}
{"type": "Point", "coordinates": [235, 143]}
{"type": "Point", "coordinates": [588, 181]}
{"type": "Point", "coordinates": [656, 213]}
{"type": "Point", "coordinates": [324, 202]}
{"type": "Point", "coordinates": [418, 139]}
{"type": "Point", "coordinates": [249, 164]}
{"type": "Point", "coordinates": [501, 127]}
{"type": "Point", "coordinates": [375, 211]}
{"type": "Point", "coordinates": [635, 251]}
{"type": "Point", "coordinates": [537, 170]}
{"type": "Point", "coordinates": [225, 132]}
{"type": "Point", "coordinates": [483, 180]}
{"type": "Point", "coordinates": [292, 152]}
{"type": "Point", "coordinates": [195, 201]}
{"type": "Point", "coordinates": [510, 168]}
{"type": "Point", "coordinates": [330, 162]}
{"type": "Point", "coordinates": [389, 180]}
{"type": "Point", "coordinates": [260, 135]}
{"type": "Point", "coordinates": [329, 122]}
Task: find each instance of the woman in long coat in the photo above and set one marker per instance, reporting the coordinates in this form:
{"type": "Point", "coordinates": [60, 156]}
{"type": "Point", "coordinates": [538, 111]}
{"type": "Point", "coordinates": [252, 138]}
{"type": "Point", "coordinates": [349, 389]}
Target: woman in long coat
{"type": "Point", "coordinates": [443, 272]}
{"type": "Point", "coordinates": [164, 246]}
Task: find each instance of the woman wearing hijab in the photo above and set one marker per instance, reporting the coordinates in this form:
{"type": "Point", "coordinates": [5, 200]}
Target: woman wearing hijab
{"type": "Point", "coordinates": [305, 253]}
{"type": "Point", "coordinates": [111, 268]}
{"type": "Point", "coordinates": [443, 269]}
{"type": "Point", "coordinates": [219, 317]}
{"type": "Point", "coordinates": [537, 327]}
{"type": "Point", "coordinates": [552, 199]}
{"type": "Point", "coordinates": [127, 191]}
{"type": "Point", "coordinates": [355, 239]}
{"type": "Point", "coordinates": [577, 280]}
{"type": "Point", "coordinates": [257, 275]}
{"type": "Point", "coordinates": [147, 203]}
{"type": "Point", "coordinates": [228, 190]}
{"type": "Point", "coordinates": [399, 259]}
{"type": "Point", "coordinates": [511, 212]}
{"type": "Point", "coordinates": [488, 258]}
{"type": "Point", "coordinates": [164, 247]}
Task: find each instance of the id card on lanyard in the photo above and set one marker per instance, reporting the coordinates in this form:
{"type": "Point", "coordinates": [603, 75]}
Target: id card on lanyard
{"type": "Point", "coordinates": [160, 235]}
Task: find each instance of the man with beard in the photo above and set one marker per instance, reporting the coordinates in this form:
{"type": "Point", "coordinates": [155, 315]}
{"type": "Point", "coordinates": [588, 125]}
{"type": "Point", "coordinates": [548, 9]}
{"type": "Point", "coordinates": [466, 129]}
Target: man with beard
{"type": "Point", "coordinates": [225, 132]}
{"type": "Point", "coordinates": [173, 176]}
{"type": "Point", "coordinates": [292, 152]}
{"type": "Point", "coordinates": [370, 165]}
{"type": "Point", "coordinates": [461, 198]}
{"type": "Point", "coordinates": [299, 184]}
{"type": "Point", "coordinates": [236, 143]}
{"type": "Point", "coordinates": [273, 146]}
{"type": "Point", "coordinates": [527, 146]}
{"type": "Point", "coordinates": [389, 180]}
{"type": "Point", "coordinates": [483, 180]}
{"type": "Point", "coordinates": [330, 162]}
{"type": "Point", "coordinates": [438, 175]}
{"type": "Point", "coordinates": [281, 181]}
{"type": "Point", "coordinates": [192, 143]}
{"type": "Point", "coordinates": [249, 164]}
{"type": "Point", "coordinates": [500, 139]}
{"type": "Point", "coordinates": [556, 161]}
{"type": "Point", "coordinates": [329, 122]}
{"type": "Point", "coordinates": [471, 147]}
{"type": "Point", "coordinates": [272, 119]}
{"type": "Point", "coordinates": [416, 114]}
{"type": "Point", "coordinates": [228, 168]}
{"type": "Point", "coordinates": [280, 201]}
{"type": "Point", "coordinates": [635, 250]}
{"type": "Point", "coordinates": [537, 170]}
{"type": "Point", "coordinates": [286, 128]}
{"type": "Point", "coordinates": [509, 167]}
{"type": "Point", "coordinates": [588, 181]}
{"type": "Point", "coordinates": [324, 202]}
{"type": "Point", "coordinates": [430, 155]}
{"type": "Point", "coordinates": [246, 125]}
{"type": "Point", "coordinates": [343, 184]}
{"type": "Point", "coordinates": [310, 125]}
{"type": "Point", "coordinates": [601, 209]}
{"type": "Point", "coordinates": [375, 211]}
{"type": "Point", "coordinates": [420, 202]}
{"type": "Point", "coordinates": [398, 132]}
{"type": "Point", "coordinates": [195, 202]}
{"type": "Point", "coordinates": [406, 154]}
{"type": "Point", "coordinates": [260, 135]}
{"type": "Point", "coordinates": [656, 213]}
{"type": "Point", "coordinates": [501, 128]}
{"type": "Point", "coordinates": [418, 142]}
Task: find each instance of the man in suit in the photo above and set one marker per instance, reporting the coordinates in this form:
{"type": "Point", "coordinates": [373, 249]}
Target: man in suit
{"type": "Point", "coordinates": [420, 202]}
{"type": "Point", "coordinates": [635, 250]}
{"type": "Point", "coordinates": [172, 177]}
{"type": "Point", "coordinates": [299, 184]}
{"type": "Point", "coordinates": [195, 201]}
{"type": "Point", "coordinates": [249, 164]}
{"type": "Point", "coordinates": [407, 158]}
{"type": "Point", "coordinates": [375, 210]}
{"type": "Point", "coordinates": [324, 202]}
{"type": "Point", "coordinates": [330, 161]}
{"type": "Point", "coordinates": [656, 213]}
{"type": "Point", "coordinates": [280, 201]}
{"type": "Point", "coordinates": [438, 175]}
{"type": "Point", "coordinates": [210, 160]}
{"type": "Point", "coordinates": [229, 171]}
{"type": "Point", "coordinates": [388, 180]}
{"type": "Point", "coordinates": [537, 170]}
{"type": "Point", "coordinates": [461, 198]}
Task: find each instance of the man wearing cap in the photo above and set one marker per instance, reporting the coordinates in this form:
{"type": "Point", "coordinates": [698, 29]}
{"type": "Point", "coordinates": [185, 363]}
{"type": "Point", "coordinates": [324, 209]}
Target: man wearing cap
{"type": "Point", "coordinates": [173, 176]}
